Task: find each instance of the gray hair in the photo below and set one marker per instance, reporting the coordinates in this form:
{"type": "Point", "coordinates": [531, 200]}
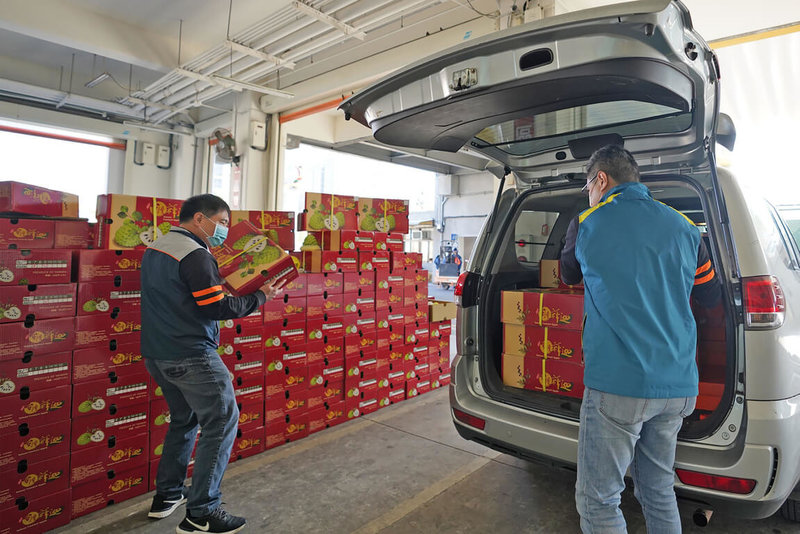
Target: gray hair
{"type": "Point", "coordinates": [614, 161]}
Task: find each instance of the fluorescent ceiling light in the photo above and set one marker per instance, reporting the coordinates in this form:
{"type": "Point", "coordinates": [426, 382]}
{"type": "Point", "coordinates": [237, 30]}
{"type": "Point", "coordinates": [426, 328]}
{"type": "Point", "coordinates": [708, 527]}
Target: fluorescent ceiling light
{"type": "Point", "coordinates": [154, 128]}
{"type": "Point", "coordinates": [98, 79]}
{"type": "Point", "coordinates": [237, 84]}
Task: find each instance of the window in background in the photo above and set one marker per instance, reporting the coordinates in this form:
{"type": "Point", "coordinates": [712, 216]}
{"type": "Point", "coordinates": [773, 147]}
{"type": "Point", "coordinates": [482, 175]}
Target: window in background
{"type": "Point", "coordinates": [72, 166]}
{"type": "Point", "coordinates": [224, 180]}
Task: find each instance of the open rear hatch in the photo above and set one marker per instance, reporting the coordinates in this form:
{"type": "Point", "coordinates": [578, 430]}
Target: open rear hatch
{"type": "Point", "coordinates": [538, 99]}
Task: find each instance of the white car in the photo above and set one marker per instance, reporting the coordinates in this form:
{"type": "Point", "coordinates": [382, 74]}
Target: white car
{"type": "Point", "coordinates": [537, 100]}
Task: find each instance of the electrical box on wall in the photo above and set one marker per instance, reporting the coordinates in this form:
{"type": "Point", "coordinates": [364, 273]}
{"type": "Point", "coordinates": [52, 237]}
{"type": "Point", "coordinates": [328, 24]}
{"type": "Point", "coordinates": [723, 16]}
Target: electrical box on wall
{"type": "Point", "coordinates": [148, 153]}
{"type": "Point", "coordinates": [258, 135]}
{"type": "Point", "coordinates": [163, 157]}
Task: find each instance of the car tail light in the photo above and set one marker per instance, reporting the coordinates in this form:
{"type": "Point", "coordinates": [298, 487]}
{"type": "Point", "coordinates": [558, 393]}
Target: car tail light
{"type": "Point", "coordinates": [468, 419]}
{"type": "Point", "coordinates": [764, 303]}
{"type": "Point", "coordinates": [466, 290]}
{"type": "Point", "coordinates": [739, 486]}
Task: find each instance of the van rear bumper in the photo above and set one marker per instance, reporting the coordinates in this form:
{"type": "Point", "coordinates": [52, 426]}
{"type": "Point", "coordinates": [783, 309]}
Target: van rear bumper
{"type": "Point", "coordinates": [767, 451]}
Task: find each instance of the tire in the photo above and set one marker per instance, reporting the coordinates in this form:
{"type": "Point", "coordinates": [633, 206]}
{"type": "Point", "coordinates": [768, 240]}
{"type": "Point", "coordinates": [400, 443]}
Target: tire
{"type": "Point", "coordinates": [791, 510]}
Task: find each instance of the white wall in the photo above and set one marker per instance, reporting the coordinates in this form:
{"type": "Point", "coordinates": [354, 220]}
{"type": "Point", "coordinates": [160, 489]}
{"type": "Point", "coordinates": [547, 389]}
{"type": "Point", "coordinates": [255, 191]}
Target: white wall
{"type": "Point", "coordinates": [468, 203]}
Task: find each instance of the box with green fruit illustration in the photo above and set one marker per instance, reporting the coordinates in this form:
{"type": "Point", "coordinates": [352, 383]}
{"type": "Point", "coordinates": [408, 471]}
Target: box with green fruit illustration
{"type": "Point", "coordinates": [339, 240]}
{"type": "Point", "coordinates": [40, 266]}
{"type": "Point", "coordinates": [248, 258]}
{"type": "Point", "coordinates": [99, 396]}
{"type": "Point", "coordinates": [277, 225]}
{"type": "Point", "coordinates": [329, 212]}
{"type": "Point", "coordinates": [92, 464]}
{"type": "Point", "coordinates": [43, 372]}
{"type": "Point", "coordinates": [127, 221]}
{"type": "Point", "coordinates": [96, 429]}
{"type": "Point", "coordinates": [18, 303]}
{"type": "Point", "coordinates": [383, 215]}
{"type": "Point", "coordinates": [96, 298]}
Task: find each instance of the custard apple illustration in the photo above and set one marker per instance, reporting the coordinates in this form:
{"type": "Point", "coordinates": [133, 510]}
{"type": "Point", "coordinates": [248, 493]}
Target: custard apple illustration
{"type": "Point", "coordinates": [12, 313]}
{"type": "Point", "coordinates": [266, 256]}
{"type": "Point", "coordinates": [368, 223]}
{"type": "Point", "coordinates": [147, 236]}
{"type": "Point", "coordinates": [310, 243]}
{"type": "Point", "coordinates": [272, 235]}
{"type": "Point", "coordinates": [316, 222]}
{"type": "Point", "coordinates": [383, 224]}
{"type": "Point", "coordinates": [89, 306]}
{"type": "Point", "coordinates": [335, 222]}
{"type": "Point", "coordinates": [127, 235]}
{"type": "Point", "coordinates": [165, 227]}
{"type": "Point", "coordinates": [257, 243]}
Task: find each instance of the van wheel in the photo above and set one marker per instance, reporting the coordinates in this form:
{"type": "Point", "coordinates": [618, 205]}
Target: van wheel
{"type": "Point", "coordinates": [791, 510]}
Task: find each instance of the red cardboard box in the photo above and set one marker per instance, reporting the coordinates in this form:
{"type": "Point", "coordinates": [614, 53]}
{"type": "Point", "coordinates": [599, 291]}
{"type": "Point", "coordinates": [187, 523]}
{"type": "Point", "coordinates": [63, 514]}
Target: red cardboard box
{"type": "Point", "coordinates": [395, 300]}
{"type": "Point", "coordinates": [37, 515]}
{"type": "Point", "coordinates": [96, 298]}
{"type": "Point", "coordinates": [109, 394]}
{"type": "Point", "coordinates": [23, 267]}
{"type": "Point", "coordinates": [33, 480]}
{"type": "Point", "coordinates": [98, 494]}
{"type": "Point", "coordinates": [421, 316]}
{"type": "Point", "coordinates": [321, 283]}
{"type": "Point", "coordinates": [26, 233]}
{"type": "Point", "coordinates": [398, 394]}
{"type": "Point", "coordinates": [366, 305]}
{"type": "Point", "coordinates": [44, 337]}
{"type": "Point", "coordinates": [421, 278]}
{"type": "Point", "coordinates": [17, 197]}
{"type": "Point", "coordinates": [248, 259]}
{"type": "Point", "coordinates": [332, 240]}
{"type": "Point", "coordinates": [285, 370]}
{"type": "Point", "coordinates": [423, 386]}
{"type": "Point", "coordinates": [395, 242]}
{"type": "Point", "coordinates": [102, 330]}
{"type": "Point", "coordinates": [539, 374]}
{"type": "Point", "coordinates": [329, 212]}
{"type": "Point", "coordinates": [333, 327]}
{"type": "Point", "coordinates": [101, 362]}
{"type": "Point", "coordinates": [542, 341]}
{"type": "Point", "coordinates": [396, 282]}
{"type": "Point", "coordinates": [248, 442]}
{"type": "Point", "coordinates": [349, 303]}
{"type": "Point", "coordinates": [18, 303]}
{"type": "Point", "coordinates": [277, 225]}
{"type": "Point", "coordinates": [549, 307]}
{"type": "Point", "coordinates": [297, 287]}
{"type": "Point", "coordinates": [93, 464]}
{"type": "Point", "coordinates": [34, 442]}
{"type": "Point", "coordinates": [35, 374]}
{"type": "Point", "coordinates": [380, 261]}
{"type": "Point", "coordinates": [251, 415]}
{"type": "Point", "coordinates": [246, 342]}
{"type": "Point", "coordinates": [383, 215]}
{"type": "Point", "coordinates": [379, 241]}
{"type": "Point", "coordinates": [421, 295]}
{"type": "Point", "coordinates": [109, 265]}
{"type": "Point", "coordinates": [397, 261]}
{"type": "Point", "coordinates": [72, 235]}
{"type": "Point", "coordinates": [444, 378]}
{"type": "Point", "coordinates": [285, 307]}
{"type": "Point", "coordinates": [230, 328]}
{"type": "Point", "coordinates": [411, 388]}
{"type": "Point", "coordinates": [101, 430]}
{"type": "Point", "coordinates": [249, 390]}
{"type": "Point", "coordinates": [361, 283]}
{"type": "Point", "coordinates": [129, 221]}
{"type": "Point", "coordinates": [332, 305]}
{"type": "Point", "coordinates": [333, 348]}
{"type": "Point", "coordinates": [296, 428]}
{"type": "Point", "coordinates": [327, 261]}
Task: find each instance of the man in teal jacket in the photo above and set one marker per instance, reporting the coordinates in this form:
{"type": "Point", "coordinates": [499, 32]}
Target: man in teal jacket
{"type": "Point", "coordinates": [640, 261]}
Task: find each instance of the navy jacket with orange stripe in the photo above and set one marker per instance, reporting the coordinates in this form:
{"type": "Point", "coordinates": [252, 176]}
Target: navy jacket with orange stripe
{"type": "Point", "coordinates": [640, 261]}
{"type": "Point", "coordinates": [182, 298]}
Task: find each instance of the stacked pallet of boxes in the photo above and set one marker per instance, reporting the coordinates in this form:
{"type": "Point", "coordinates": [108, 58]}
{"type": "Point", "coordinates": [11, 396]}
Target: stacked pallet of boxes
{"type": "Point", "coordinates": [38, 230]}
{"type": "Point", "coordinates": [542, 336]}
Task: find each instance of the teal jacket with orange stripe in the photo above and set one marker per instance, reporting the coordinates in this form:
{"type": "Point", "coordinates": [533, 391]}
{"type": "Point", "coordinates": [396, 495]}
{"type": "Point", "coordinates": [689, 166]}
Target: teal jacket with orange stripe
{"type": "Point", "coordinates": [183, 300]}
{"type": "Point", "coordinates": [640, 261]}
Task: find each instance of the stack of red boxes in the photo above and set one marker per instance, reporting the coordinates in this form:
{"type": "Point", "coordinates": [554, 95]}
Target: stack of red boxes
{"type": "Point", "coordinates": [542, 338]}
{"type": "Point", "coordinates": [37, 319]}
{"type": "Point", "coordinates": [110, 392]}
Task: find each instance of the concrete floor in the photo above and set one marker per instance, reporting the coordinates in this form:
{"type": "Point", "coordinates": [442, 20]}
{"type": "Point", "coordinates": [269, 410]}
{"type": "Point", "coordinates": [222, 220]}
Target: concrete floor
{"type": "Point", "coordinates": [403, 469]}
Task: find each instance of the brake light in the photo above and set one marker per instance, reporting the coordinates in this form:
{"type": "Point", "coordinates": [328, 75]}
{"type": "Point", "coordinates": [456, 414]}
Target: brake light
{"type": "Point", "coordinates": [468, 419]}
{"type": "Point", "coordinates": [459, 289]}
{"type": "Point", "coordinates": [740, 486]}
{"type": "Point", "coordinates": [764, 303]}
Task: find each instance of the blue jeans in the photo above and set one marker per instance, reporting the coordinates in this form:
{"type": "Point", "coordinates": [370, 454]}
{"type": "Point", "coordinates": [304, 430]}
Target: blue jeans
{"type": "Point", "coordinates": [618, 432]}
{"type": "Point", "coordinates": [198, 390]}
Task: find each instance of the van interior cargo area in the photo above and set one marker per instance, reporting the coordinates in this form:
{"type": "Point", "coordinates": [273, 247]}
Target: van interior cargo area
{"type": "Point", "coordinates": [535, 230]}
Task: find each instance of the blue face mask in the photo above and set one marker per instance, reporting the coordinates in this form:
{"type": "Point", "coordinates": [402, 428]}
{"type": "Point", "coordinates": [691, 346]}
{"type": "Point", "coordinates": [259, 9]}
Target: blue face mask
{"type": "Point", "coordinates": [219, 235]}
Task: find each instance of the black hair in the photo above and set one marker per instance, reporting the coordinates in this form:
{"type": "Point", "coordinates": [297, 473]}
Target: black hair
{"type": "Point", "coordinates": [209, 205]}
{"type": "Point", "coordinates": [614, 161]}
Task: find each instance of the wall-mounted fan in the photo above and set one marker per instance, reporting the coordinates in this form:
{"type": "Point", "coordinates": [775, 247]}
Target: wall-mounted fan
{"type": "Point", "coordinates": [226, 146]}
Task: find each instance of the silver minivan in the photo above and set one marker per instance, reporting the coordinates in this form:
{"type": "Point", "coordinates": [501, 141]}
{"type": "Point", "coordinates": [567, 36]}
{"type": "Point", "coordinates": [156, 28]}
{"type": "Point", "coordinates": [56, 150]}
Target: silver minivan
{"type": "Point", "coordinates": [537, 100]}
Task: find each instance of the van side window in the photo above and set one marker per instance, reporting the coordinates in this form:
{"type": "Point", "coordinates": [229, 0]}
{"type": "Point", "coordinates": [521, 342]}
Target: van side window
{"type": "Point", "coordinates": [531, 235]}
{"type": "Point", "coordinates": [787, 219]}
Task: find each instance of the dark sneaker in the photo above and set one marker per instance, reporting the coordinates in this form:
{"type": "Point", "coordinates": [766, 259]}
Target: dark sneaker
{"type": "Point", "coordinates": [218, 522]}
{"type": "Point", "coordinates": [161, 507]}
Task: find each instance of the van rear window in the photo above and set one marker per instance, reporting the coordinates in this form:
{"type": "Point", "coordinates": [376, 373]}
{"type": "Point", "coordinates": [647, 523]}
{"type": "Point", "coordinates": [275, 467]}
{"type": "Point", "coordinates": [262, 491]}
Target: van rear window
{"type": "Point", "coordinates": [536, 133]}
{"type": "Point", "coordinates": [531, 234]}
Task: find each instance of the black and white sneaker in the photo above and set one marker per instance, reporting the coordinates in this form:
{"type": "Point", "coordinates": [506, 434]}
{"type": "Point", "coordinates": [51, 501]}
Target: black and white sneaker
{"type": "Point", "coordinates": [217, 522]}
{"type": "Point", "coordinates": [161, 507]}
